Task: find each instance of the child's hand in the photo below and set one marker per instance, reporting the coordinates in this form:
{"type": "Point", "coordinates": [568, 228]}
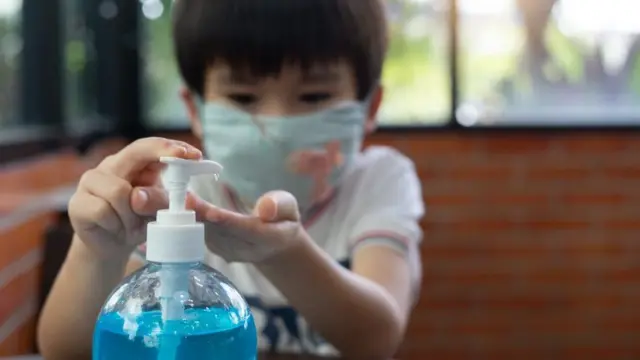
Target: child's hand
{"type": "Point", "coordinates": [102, 209]}
{"type": "Point", "coordinates": [273, 228]}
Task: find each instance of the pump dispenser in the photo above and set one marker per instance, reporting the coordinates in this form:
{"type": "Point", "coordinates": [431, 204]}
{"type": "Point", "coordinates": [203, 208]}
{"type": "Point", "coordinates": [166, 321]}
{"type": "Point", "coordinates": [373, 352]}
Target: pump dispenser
{"type": "Point", "coordinates": [176, 307]}
{"type": "Point", "coordinates": [176, 237]}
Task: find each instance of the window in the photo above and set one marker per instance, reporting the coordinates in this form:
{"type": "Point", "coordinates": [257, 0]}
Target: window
{"type": "Point", "coordinates": [77, 55]}
{"type": "Point", "coordinates": [10, 51]}
{"type": "Point", "coordinates": [549, 62]}
{"type": "Point", "coordinates": [416, 76]}
{"type": "Point", "coordinates": [79, 68]}
{"type": "Point", "coordinates": [162, 106]}
{"type": "Point", "coordinates": [29, 78]}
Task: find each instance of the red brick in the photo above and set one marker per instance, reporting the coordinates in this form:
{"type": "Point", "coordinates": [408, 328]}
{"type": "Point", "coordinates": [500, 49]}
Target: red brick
{"type": "Point", "coordinates": [622, 172]}
{"type": "Point", "coordinates": [515, 199]}
{"type": "Point", "coordinates": [599, 351]}
{"type": "Point", "coordinates": [437, 145]}
{"type": "Point", "coordinates": [597, 144]}
{"type": "Point", "coordinates": [461, 246]}
{"type": "Point", "coordinates": [490, 172]}
{"type": "Point", "coordinates": [561, 322]}
{"type": "Point", "coordinates": [477, 225]}
{"type": "Point", "coordinates": [611, 198]}
{"type": "Point", "coordinates": [440, 354]}
{"type": "Point", "coordinates": [518, 353]}
{"type": "Point", "coordinates": [466, 278]}
{"type": "Point", "coordinates": [633, 225]}
{"type": "Point", "coordinates": [621, 322]}
{"type": "Point", "coordinates": [516, 145]}
{"type": "Point", "coordinates": [557, 274]}
{"type": "Point", "coordinates": [428, 173]}
{"type": "Point", "coordinates": [558, 224]}
{"type": "Point", "coordinates": [558, 172]}
{"type": "Point", "coordinates": [590, 246]}
{"type": "Point", "coordinates": [449, 199]}
{"type": "Point", "coordinates": [625, 274]}
{"type": "Point", "coordinates": [607, 302]}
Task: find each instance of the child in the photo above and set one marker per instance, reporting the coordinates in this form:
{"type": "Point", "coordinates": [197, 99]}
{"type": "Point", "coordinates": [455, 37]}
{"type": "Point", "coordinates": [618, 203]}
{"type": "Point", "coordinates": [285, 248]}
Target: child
{"type": "Point", "coordinates": [321, 238]}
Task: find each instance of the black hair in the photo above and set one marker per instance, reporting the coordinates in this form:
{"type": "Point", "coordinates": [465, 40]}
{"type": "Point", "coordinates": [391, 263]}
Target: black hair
{"type": "Point", "coordinates": [263, 35]}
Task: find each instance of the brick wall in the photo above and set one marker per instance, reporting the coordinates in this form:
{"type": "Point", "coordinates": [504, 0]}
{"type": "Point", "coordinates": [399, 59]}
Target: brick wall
{"type": "Point", "coordinates": [532, 246]}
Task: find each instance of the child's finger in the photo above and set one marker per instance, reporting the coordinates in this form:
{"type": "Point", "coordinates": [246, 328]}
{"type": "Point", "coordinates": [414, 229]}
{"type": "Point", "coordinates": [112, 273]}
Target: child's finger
{"type": "Point", "coordinates": [200, 206]}
{"type": "Point", "coordinates": [86, 208]}
{"type": "Point", "coordinates": [228, 218]}
{"type": "Point", "coordinates": [141, 153]}
{"type": "Point", "coordinates": [277, 206]}
{"type": "Point", "coordinates": [146, 201]}
{"type": "Point", "coordinates": [149, 176]}
{"type": "Point", "coordinates": [114, 191]}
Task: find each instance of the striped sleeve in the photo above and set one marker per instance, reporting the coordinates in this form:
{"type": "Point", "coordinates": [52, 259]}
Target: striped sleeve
{"type": "Point", "coordinates": [390, 210]}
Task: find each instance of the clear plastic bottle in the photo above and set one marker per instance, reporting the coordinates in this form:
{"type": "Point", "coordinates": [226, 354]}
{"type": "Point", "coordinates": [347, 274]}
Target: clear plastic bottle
{"type": "Point", "coordinates": [176, 307]}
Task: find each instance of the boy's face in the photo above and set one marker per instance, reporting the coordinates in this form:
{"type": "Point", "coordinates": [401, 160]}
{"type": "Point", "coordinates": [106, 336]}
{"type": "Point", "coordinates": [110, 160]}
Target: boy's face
{"type": "Point", "coordinates": [292, 92]}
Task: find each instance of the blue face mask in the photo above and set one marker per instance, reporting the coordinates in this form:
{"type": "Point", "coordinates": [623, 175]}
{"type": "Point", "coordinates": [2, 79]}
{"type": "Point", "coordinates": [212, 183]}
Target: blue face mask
{"type": "Point", "coordinates": [256, 151]}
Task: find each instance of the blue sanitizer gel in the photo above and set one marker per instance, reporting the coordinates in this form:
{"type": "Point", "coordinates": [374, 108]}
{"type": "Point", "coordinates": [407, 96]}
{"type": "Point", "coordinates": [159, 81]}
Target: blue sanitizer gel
{"type": "Point", "coordinates": [215, 323]}
{"type": "Point", "coordinates": [176, 307]}
{"type": "Point", "coordinates": [205, 339]}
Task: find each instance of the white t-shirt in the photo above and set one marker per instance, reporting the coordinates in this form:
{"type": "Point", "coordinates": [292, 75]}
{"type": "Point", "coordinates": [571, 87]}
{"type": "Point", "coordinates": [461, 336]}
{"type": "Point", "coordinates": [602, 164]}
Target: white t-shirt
{"type": "Point", "coordinates": [379, 202]}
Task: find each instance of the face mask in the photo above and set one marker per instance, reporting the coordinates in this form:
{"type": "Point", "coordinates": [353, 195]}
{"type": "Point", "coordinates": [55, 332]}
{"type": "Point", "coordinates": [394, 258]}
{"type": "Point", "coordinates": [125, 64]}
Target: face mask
{"type": "Point", "coordinates": [304, 155]}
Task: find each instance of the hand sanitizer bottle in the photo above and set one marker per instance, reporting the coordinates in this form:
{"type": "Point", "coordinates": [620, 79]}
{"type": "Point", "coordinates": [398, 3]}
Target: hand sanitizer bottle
{"type": "Point", "coordinates": [176, 308]}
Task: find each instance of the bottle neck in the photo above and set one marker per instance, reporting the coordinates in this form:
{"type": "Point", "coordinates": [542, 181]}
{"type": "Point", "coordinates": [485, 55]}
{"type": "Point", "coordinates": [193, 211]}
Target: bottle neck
{"type": "Point", "coordinates": [177, 266]}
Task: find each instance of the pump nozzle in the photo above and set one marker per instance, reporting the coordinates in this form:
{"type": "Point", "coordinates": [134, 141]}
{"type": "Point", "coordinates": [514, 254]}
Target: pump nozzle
{"type": "Point", "coordinates": [179, 172]}
{"type": "Point", "coordinates": [176, 237]}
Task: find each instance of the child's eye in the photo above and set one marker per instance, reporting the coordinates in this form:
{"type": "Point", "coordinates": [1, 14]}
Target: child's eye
{"type": "Point", "coordinates": [243, 99]}
{"type": "Point", "coordinates": [314, 98]}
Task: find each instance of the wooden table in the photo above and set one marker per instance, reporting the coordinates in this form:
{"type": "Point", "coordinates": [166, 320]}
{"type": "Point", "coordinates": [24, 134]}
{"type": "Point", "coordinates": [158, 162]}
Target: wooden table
{"type": "Point", "coordinates": [261, 357]}
{"type": "Point", "coordinates": [291, 357]}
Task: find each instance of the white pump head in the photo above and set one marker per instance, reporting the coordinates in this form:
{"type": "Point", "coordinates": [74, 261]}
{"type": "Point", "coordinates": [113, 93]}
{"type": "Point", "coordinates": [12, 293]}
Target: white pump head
{"type": "Point", "coordinates": [176, 237]}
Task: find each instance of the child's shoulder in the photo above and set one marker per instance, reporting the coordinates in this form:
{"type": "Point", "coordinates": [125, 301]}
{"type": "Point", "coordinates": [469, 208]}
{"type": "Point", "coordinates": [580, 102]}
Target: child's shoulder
{"type": "Point", "coordinates": [381, 189]}
{"type": "Point", "coordinates": [380, 162]}
{"type": "Point", "coordinates": [380, 176]}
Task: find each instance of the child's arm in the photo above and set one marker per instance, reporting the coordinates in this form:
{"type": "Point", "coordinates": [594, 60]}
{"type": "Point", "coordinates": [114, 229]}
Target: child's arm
{"type": "Point", "coordinates": [363, 312]}
{"type": "Point", "coordinates": [106, 215]}
{"type": "Point", "coordinates": [65, 329]}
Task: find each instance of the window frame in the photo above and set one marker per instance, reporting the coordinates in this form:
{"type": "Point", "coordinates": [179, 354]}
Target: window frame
{"type": "Point", "coordinates": [43, 127]}
{"type": "Point", "coordinates": [39, 115]}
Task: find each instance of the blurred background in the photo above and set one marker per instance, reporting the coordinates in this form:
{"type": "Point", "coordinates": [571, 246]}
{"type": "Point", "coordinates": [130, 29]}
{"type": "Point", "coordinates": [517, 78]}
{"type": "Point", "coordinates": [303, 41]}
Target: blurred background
{"type": "Point", "coordinates": [522, 117]}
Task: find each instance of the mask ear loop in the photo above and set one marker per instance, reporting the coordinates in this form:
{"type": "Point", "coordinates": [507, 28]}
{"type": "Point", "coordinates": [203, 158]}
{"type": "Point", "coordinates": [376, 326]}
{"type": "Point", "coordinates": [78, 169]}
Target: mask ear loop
{"type": "Point", "coordinates": [198, 102]}
{"type": "Point", "coordinates": [367, 99]}
{"type": "Point", "coordinates": [255, 119]}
